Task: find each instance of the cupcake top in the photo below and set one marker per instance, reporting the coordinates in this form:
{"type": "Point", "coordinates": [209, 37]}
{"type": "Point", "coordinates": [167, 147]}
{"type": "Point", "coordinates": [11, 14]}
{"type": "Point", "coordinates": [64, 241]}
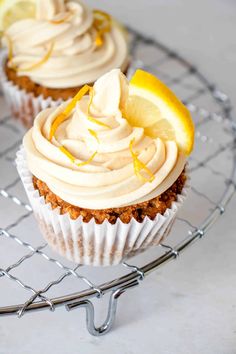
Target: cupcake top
{"type": "Point", "coordinates": [90, 156]}
{"type": "Point", "coordinates": [66, 44]}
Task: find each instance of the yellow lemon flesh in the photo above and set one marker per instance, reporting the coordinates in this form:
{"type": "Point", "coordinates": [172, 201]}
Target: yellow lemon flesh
{"type": "Point", "coordinates": [15, 10]}
{"type": "Point", "coordinates": [153, 106]}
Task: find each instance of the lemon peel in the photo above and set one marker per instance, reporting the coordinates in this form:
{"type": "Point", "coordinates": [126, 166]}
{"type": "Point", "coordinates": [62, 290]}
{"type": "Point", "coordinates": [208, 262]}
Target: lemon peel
{"type": "Point", "coordinates": [64, 115]}
{"type": "Point", "coordinates": [139, 165]}
{"type": "Point", "coordinates": [91, 119]}
{"type": "Point", "coordinates": [102, 25]}
{"type": "Point", "coordinates": [94, 134]}
{"type": "Point", "coordinates": [41, 61]}
{"type": "Point", "coordinates": [153, 106]}
{"type": "Point", "coordinates": [87, 161]}
{"type": "Point", "coordinates": [60, 119]}
{"type": "Point", "coordinates": [67, 153]}
{"type": "Point", "coordinates": [73, 159]}
{"type": "Point", "coordinates": [62, 20]}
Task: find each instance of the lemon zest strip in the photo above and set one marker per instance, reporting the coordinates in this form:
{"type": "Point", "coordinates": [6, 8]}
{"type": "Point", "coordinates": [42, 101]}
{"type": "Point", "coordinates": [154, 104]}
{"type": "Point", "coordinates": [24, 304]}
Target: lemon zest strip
{"type": "Point", "coordinates": [76, 98]}
{"type": "Point", "coordinates": [60, 119]}
{"type": "Point", "coordinates": [64, 115]}
{"type": "Point", "coordinates": [102, 25]}
{"type": "Point", "coordinates": [41, 61]}
{"type": "Point", "coordinates": [67, 153]}
{"type": "Point", "coordinates": [87, 161]}
{"type": "Point", "coordinates": [139, 165]}
{"type": "Point", "coordinates": [94, 134]}
{"type": "Point", "coordinates": [91, 119]}
{"type": "Point", "coordinates": [72, 158]}
{"type": "Point", "coordinates": [91, 95]}
{"type": "Point", "coordinates": [62, 20]}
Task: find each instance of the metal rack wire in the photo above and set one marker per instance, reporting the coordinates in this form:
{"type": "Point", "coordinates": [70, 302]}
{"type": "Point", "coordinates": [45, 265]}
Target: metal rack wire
{"type": "Point", "coordinates": [22, 250]}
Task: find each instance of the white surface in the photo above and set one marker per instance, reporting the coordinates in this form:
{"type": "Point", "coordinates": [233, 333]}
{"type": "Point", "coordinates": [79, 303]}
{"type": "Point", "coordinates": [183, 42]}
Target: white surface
{"type": "Point", "coordinates": [188, 306]}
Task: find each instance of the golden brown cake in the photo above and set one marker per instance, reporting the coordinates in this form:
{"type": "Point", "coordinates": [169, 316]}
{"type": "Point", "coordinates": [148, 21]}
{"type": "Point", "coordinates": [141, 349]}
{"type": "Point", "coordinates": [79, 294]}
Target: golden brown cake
{"type": "Point", "coordinates": [150, 208]}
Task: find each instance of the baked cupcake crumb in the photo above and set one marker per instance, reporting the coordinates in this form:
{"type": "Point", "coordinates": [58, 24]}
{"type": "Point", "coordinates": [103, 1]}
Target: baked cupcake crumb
{"type": "Point", "coordinates": [139, 211]}
{"type": "Point", "coordinates": [25, 83]}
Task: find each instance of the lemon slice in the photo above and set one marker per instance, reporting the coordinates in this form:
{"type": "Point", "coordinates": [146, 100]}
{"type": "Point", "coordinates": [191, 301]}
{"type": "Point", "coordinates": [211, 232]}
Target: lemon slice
{"type": "Point", "coordinates": [153, 106]}
{"type": "Point", "coordinates": [15, 10]}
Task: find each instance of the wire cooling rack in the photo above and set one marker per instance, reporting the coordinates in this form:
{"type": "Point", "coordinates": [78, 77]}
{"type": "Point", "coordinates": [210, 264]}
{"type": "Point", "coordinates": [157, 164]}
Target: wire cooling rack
{"type": "Point", "coordinates": [32, 277]}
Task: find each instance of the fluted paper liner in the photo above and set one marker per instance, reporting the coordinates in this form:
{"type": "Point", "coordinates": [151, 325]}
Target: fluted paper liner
{"type": "Point", "coordinates": [90, 243]}
{"type": "Point", "coordinates": [24, 105]}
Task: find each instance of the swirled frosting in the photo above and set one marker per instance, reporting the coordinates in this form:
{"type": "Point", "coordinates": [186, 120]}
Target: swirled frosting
{"type": "Point", "coordinates": [109, 179]}
{"type": "Point", "coordinates": [65, 30]}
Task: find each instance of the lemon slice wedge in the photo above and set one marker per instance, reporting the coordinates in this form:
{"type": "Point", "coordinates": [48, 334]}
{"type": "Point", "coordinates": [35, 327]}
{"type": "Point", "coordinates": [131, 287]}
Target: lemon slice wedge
{"type": "Point", "coordinates": [15, 10]}
{"type": "Point", "coordinates": [153, 106]}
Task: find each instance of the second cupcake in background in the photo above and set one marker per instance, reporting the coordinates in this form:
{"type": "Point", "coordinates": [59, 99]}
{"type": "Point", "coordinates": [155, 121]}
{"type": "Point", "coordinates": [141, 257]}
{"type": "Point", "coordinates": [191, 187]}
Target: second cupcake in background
{"type": "Point", "coordinates": [105, 172]}
{"type": "Point", "coordinates": [52, 55]}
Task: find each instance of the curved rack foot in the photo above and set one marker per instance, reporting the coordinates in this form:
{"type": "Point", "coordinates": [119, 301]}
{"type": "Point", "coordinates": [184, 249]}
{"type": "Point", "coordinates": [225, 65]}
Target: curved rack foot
{"type": "Point", "coordinates": [87, 304]}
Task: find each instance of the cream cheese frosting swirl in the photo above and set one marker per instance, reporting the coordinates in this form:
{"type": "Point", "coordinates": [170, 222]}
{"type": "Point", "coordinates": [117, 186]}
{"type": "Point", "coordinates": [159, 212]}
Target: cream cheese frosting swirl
{"type": "Point", "coordinates": [108, 179]}
{"type": "Point", "coordinates": [66, 31]}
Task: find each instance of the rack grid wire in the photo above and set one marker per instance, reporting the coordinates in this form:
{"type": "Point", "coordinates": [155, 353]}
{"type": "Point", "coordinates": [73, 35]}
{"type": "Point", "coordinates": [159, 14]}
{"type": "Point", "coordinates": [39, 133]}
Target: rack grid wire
{"type": "Point", "coordinates": [22, 249]}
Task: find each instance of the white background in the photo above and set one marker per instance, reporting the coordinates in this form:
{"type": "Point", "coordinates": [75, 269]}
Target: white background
{"type": "Point", "coordinates": [188, 306]}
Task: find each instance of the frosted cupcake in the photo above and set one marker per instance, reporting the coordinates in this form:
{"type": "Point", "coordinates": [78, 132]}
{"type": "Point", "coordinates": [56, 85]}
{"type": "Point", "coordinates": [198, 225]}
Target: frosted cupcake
{"type": "Point", "coordinates": [100, 188]}
{"type": "Point", "coordinates": [54, 54]}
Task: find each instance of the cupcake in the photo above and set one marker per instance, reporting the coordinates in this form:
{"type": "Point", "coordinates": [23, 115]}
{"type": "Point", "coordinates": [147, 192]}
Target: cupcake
{"type": "Point", "coordinates": [102, 187]}
{"type": "Point", "coordinates": [51, 56]}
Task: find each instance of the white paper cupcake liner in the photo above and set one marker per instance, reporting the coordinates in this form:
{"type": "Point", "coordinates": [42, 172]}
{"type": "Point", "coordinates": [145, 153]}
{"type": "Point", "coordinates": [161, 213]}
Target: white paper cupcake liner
{"type": "Point", "coordinates": [90, 243]}
{"type": "Point", "coordinates": [24, 106]}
